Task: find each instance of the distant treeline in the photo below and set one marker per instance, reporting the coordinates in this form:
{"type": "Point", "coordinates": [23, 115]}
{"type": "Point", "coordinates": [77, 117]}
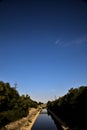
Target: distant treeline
{"type": "Point", "coordinates": [12, 105]}
{"type": "Point", "coordinates": [72, 108]}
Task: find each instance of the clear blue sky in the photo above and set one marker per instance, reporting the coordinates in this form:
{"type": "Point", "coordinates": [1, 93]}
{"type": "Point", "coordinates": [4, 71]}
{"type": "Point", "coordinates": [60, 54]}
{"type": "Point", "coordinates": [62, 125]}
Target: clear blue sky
{"type": "Point", "coordinates": [43, 46]}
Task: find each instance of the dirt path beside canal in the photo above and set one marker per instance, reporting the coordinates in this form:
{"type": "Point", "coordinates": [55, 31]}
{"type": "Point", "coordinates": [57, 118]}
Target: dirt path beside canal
{"type": "Point", "coordinates": [25, 123]}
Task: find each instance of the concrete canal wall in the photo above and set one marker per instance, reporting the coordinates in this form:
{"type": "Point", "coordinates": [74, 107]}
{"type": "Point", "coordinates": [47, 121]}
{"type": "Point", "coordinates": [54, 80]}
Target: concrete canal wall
{"type": "Point", "coordinates": [59, 121]}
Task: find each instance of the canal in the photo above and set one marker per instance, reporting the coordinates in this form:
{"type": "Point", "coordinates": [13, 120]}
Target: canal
{"type": "Point", "coordinates": [45, 122]}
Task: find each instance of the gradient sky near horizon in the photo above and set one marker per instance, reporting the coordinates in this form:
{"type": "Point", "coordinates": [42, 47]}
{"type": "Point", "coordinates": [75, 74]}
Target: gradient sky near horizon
{"type": "Point", "coordinates": [43, 46]}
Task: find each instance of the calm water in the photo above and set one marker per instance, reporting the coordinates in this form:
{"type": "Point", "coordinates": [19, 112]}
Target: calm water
{"type": "Point", "coordinates": [44, 122]}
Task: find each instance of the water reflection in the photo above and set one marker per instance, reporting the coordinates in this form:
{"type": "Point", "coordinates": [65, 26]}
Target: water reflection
{"type": "Point", "coordinates": [44, 111]}
{"type": "Point", "coordinates": [45, 122]}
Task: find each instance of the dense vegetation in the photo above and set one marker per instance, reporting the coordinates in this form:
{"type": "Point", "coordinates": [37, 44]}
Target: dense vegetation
{"type": "Point", "coordinates": [72, 108]}
{"type": "Point", "coordinates": [12, 105]}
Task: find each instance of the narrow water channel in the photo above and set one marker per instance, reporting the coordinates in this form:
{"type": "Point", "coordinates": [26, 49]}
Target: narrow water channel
{"type": "Point", "coordinates": [44, 122]}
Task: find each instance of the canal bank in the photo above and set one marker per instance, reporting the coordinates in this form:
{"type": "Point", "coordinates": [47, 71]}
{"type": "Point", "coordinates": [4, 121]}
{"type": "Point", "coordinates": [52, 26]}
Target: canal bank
{"type": "Point", "coordinates": [31, 121]}
{"type": "Point", "coordinates": [64, 127]}
{"type": "Point", "coordinates": [26, 122]}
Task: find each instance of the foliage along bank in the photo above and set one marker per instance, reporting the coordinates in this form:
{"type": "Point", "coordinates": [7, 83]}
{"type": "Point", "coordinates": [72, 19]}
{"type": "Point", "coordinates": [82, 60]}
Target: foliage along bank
{"type": "Point", "coordinates": [72, 108]}
{"type": "Point", "coordinates": [12, 105]}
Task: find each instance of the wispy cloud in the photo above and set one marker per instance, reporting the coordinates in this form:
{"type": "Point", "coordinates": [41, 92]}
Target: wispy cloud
{"type": "Point", "coordinates": [78, 41]}
{"type": "Point", "coordinates": [57, 42]}
{"type": "Point", "coordinates": [82, 40]}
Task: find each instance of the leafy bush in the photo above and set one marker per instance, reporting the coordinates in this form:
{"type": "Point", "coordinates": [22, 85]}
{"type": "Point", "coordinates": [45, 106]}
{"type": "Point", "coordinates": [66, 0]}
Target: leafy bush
{"type": "Point", "coordinates": [72, 107]}
{"type": "Point", "coordinates": [12, 105]}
